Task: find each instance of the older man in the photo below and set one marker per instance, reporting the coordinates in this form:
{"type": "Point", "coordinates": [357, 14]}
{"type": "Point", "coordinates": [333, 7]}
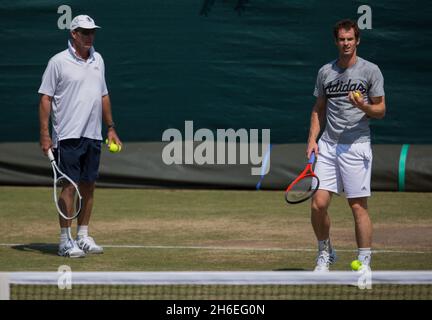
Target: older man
{"type": "Point", "coordinates": [74, 93]}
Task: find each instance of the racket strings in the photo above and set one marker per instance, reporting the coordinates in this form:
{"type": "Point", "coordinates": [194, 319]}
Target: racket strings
{"type": "Point", "coordinates": [302, 190]}
{"type": "Point", "coordinates": [64, 192]}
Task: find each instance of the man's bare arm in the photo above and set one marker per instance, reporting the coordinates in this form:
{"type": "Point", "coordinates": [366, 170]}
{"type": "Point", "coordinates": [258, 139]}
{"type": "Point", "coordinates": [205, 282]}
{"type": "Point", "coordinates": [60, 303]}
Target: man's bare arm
{"type": "Point", "coordinates": [44, 115]}
{"type": "Point", "coordinates": [376, 109]}
{"type": "Point", "coordinates": [316, 124]}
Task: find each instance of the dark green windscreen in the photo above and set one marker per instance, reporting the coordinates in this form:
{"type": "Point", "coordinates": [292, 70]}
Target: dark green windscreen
{"type": "Point", "coordinates": [254, 67]}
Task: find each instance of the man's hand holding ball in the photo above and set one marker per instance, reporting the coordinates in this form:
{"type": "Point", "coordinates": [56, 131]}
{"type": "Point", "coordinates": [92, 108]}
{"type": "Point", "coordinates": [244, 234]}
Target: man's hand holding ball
{"type": "Point", "coordinates": [356, 98]}
{"type": "Point", "coordinates": [113, 147]}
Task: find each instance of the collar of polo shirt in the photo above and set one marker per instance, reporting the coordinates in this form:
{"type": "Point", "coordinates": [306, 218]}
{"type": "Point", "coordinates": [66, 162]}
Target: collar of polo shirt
{"type": "Point", "coordinates": [74, 54]}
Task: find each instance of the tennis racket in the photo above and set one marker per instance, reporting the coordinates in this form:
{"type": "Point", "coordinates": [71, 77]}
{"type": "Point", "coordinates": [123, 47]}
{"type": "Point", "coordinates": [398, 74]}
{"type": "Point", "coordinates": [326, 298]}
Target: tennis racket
{"type": "Point", "coordinates": [61, 180]}
{"type": "Point", "coordinates": [304, 186]}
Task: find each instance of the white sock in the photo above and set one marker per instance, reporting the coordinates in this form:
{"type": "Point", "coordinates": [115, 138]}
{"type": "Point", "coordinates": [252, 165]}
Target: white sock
{"type": "Point", "coordinates": [325, 245]}
{"type": "Point", "coordinates": [82, 231]}
{"type": "Point", "coordinates": [64, 234]}
{"type": "Point", "coordinates": [364, 255]}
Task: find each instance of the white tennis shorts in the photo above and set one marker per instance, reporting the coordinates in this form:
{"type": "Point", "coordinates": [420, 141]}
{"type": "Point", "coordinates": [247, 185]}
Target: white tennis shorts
{"type": "Point", "coordinates": [345, 168]}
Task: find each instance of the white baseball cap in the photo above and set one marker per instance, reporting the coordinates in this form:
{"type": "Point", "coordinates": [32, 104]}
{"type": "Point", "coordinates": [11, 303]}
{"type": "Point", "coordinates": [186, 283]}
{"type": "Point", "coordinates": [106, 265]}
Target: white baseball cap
{"type": "Point", "coordinates": [83, 21]}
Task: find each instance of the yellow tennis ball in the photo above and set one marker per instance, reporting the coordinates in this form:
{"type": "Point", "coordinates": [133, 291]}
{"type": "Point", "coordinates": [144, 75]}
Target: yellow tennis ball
{"type": "Point", "coordinates": [357, 94]}
{"type": "Point", "coordinates": [355, 265]}
{"type": "Point", "coordinates": [113, 147]}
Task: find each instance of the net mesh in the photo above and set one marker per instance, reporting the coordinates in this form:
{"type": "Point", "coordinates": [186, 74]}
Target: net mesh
{"type": "Point", "coordinates": [222, 286]}
{"type": "Point", "coordinates": [221, 292]}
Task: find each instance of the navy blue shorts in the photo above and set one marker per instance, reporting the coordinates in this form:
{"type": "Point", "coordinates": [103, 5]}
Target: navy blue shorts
{"type": "Point", "coordinates": [79, 158]}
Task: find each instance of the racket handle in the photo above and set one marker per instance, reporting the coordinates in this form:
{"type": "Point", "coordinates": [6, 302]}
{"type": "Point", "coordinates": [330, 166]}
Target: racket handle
{"type": "Point", "coordinates": [312, 158]}
{"type": "Point", "coordinates": [50, 155]}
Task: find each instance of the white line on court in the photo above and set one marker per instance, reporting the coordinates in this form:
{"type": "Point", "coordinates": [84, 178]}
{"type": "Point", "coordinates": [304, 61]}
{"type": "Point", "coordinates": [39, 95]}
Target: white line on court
{"type": "Point", "coordinates": [214, 248]}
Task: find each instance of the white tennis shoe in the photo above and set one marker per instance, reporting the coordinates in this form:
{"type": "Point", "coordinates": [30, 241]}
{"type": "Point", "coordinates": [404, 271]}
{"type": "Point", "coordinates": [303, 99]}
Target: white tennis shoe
{"type": "Point", "coordinates": [324, 260]}
{"type": "Point", "coordinates": [88, 245]}
{"type": "Point", "coordinates": [70, 249]}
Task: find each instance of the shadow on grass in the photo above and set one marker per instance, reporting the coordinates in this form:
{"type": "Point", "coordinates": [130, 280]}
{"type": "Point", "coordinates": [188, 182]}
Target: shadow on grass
{"type": "Point", "coordinates": [291, 269]}
{"type": "Point", "coordinates": [45, 248]}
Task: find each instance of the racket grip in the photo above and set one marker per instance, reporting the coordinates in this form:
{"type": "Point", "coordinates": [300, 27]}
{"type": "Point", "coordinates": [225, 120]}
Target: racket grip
{"type": "Point", "coordinates": [312, 158]}
{"type": "Point", "coordinates": [50, 155]}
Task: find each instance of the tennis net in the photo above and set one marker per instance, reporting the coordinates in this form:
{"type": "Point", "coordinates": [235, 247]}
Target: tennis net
{"type": "Point", "coordinates": [263, 285]}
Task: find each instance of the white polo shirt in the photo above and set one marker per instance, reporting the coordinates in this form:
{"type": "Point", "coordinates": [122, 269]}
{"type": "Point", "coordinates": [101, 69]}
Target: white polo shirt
{"type": "Point", "coordinates": [77, 87]}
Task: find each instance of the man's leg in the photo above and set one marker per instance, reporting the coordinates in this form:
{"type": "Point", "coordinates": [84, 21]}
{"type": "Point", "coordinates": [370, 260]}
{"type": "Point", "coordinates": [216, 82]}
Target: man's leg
{"type": "Point", "coordinates": [89, 174]}
{"type": "Point", "coordinates": [355, 163]}
{"type": "Point", "coordinates": [66, 204]}
{"type": "Point", "coordinates": [87, 192]}
{"type": "Point", "coordinates": [321, 225]}
{"type": "Point", "coordinates": [363, 228]}
{"type": "Point", "coordinates": [319, 215]}
{"type": "Point", "coordinates": [85, 242]}
{"type": "Point", "coordinates": [67, 246]}
{"type": "Point", "coordinates": [330, 182]}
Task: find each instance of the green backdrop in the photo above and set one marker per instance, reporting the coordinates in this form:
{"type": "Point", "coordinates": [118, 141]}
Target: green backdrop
{"type": "Point", "coordinates": [167, 63]}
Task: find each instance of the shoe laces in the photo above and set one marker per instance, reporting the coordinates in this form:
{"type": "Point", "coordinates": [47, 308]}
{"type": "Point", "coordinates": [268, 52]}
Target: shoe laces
{"type": "Point", "coordinates": [323, 258]}
{"type": "Point", "coordinates": [87, 240]}
{"type": "Point", "coordinates": [69, 245]}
